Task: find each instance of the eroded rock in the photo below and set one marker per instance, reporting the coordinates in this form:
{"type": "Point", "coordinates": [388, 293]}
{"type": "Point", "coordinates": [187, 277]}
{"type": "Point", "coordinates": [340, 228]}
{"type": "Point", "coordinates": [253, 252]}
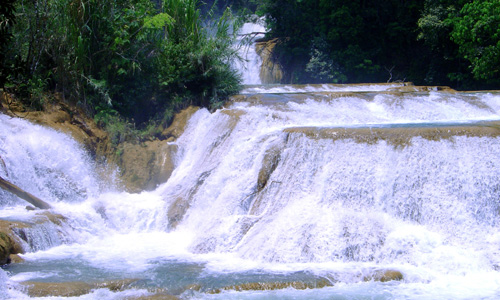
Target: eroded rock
{"type": "Point", "coordinates": [10, 243]}
{"type": "Point", "coordinates": [179, 123]}
{"type": "Point", "coordinates": [385, 275]}
{"type": "Point", "coordinates": [267, 286]}
{"type": "Point", "coordinates": [144, 166]}
{"type": "Point", "coordinates": [14, 236]}
{"type": "Point", "coordinates": [270, 70]}
{"type": "Point", "coordinates": [73, 289]}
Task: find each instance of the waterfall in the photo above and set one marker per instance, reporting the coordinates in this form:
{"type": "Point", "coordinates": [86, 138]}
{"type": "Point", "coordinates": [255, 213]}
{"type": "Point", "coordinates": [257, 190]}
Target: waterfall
{"type": "Point", "coordinates": [318, 184]}
{"type": "Point", "coordinates": [44, 162]}
{"type": "Point", "coordinates": [250, 66]}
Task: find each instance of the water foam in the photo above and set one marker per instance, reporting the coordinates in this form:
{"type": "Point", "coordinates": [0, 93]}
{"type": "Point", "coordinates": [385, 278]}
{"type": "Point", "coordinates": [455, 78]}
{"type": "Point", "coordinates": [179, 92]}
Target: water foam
{"type": "Point", "coordinates": [335, 208]}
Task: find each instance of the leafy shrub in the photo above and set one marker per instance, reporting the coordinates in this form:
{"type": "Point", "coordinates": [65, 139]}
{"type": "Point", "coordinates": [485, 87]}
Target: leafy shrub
{"type": "Point", "coordinates": [129, 62]}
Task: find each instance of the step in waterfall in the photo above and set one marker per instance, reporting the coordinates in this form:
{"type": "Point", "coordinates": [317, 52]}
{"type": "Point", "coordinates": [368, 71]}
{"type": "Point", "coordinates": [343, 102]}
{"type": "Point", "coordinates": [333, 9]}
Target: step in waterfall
{"type": "Point", "coordinates": [289, 192]}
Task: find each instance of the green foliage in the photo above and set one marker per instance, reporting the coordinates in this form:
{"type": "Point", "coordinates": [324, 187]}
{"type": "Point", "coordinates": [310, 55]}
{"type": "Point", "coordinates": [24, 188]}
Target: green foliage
{"type": "Point", "coordinates": [158, 21]}
{"type": "Point", "coordinates": [7, 20]}
{"type": "Point", "coordinates": [360, 39]}
{"type": "Point", "coordinates": [440, 42]}
{"type": "Point", "coordinates": [477, 32]}
{"type": "Point", "coordinates": [321, 67]}
{"type": "Point", "coordinates": [130, 63]}
{"type": "Point", "coordinates": [200, 66]}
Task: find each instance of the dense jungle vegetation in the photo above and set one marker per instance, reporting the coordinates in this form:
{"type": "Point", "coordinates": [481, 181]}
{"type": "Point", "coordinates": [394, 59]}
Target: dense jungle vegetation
{"type": "Point", "coordinates": [133, 63]}
{"type": "Point", "coordinates": [433, 42]}
{"type": "Point", "coordinates": [129, 63]}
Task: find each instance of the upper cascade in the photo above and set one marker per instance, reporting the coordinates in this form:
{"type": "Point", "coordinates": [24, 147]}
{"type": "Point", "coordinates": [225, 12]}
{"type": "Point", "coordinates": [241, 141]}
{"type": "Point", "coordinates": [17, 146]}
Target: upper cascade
{"type": "Point", "coordinates": [251, 64]}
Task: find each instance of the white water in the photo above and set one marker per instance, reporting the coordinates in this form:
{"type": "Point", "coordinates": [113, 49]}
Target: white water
{"type": "Point", "coordinates": [250, 66]}
{"type": "Point", "coordinates": [331, 209]}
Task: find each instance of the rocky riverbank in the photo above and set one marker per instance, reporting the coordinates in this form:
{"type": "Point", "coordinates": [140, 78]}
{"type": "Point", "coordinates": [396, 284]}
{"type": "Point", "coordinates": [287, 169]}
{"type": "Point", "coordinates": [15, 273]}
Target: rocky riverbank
{"type": "Point", "coordinates": [141, 166]}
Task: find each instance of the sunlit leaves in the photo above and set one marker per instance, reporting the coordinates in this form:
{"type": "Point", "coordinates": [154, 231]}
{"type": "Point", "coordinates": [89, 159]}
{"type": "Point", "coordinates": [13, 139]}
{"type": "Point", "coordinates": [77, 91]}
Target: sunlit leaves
{"type": "Point", "coordinates": [477, 32]}
{"type": "Point", "coordinates": [158, 21]}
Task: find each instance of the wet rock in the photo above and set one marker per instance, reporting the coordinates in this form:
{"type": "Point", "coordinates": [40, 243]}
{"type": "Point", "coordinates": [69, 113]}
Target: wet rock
{"type": "Point", "coordinates": [144, 166]}
{"type": "Point", "coordinates": [269, 164]}
{"type": "Point", "coordinates": [270, 70]}
{"type": "Point", "coordinates": [14, 259]}
{"type": "Point", "coordinates": [415, 88]}
{"type": "Point", "coordinates": [10, 243]}
{"type": "Point", "coordinates": [6, 248]}
{"type": "Point", "coordinates": [267, 286]}
{"type": "Point", "coordinates": [14, 238]}
{"type": "Point", "coordinates": [399, 136]}
{"type": "Point", "coordinates": [179, 123]}
{"type": "Point", "coordinates": [46, 216]}
{"type": "Point", "coordinates": [74, 122]}
{"type": "Point", "coordinates": [73, 289]}
{"type": "Point", "coordinates": [179, 207]}
{"type": "Point", "coordinates": [176, 211]}
{"type": "Point", "coordinates": [385, 275]}
{"type": "Point", "coordinates": [60, 289]}
{"type": "Point", "coordinates": [154, 297]}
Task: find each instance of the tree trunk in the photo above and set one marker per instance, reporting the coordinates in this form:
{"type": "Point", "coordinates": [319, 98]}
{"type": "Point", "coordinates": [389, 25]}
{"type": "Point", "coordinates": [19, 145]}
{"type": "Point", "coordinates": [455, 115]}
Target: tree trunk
{"type": "Point", "coordinates": [4, 184]}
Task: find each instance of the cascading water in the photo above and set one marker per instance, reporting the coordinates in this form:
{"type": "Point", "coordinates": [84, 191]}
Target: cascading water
{"type": "Point", "coordinates": [250, 66]}
{"type": "Point", "coordinates": [318, 185]}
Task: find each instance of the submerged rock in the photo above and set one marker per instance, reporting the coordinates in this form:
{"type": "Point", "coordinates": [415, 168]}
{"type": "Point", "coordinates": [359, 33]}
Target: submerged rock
{"type": "Point", "coordinates": [267, 286]}
{"type": "Point", "coordinates": [154, 297]}
{"type": "Point", "coordinates": [73, 289]}
{"type": "Point", "coordinates": [384, 276]}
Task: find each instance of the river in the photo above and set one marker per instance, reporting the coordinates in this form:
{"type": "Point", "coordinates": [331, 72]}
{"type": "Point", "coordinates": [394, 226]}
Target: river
{"type": "Point", "coordinates": [305, 192]}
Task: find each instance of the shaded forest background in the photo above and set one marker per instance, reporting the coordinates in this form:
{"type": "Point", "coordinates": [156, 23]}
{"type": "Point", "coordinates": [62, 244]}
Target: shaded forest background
{"type": "Point", "coordinates": [428, 42]}
{"type": "Point", "coordinates": [131, 64]}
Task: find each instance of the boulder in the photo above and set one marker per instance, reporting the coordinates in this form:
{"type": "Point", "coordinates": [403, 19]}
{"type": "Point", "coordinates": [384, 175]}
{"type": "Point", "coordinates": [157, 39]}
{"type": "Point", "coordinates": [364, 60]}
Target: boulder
{"type": "Point", "coordinates": [144, 166]}
{"type": "Point", "coordinates": [13, 237]}
{"type": "Point", "coordinates": [385, 275]}
{"type": "Point", "coordinates": [10, 243]}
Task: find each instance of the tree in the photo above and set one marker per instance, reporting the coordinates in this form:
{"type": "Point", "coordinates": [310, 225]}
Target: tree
{"type": "Point", "coordinates": [359, 40]}
{"type": "Point", "coordinates": [7, 20]}
{"type": "Point", "coordinates": [129, 61]}
{"type": "Point", "coordinates": [477, 32]}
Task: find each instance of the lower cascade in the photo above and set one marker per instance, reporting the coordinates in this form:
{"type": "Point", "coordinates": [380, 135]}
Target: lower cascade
{"type": "Point", "coordinates": [375, 191]}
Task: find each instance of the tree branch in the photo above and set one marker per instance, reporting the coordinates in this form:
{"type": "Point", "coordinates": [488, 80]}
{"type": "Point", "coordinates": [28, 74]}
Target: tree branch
{"type": "Point", "coordinates": [9, 187]}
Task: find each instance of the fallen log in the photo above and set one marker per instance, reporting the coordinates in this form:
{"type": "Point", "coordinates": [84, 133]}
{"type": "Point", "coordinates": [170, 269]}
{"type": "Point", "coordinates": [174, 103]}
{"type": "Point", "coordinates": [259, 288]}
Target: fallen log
{"type": "Point", "coordinates": [9, 187]}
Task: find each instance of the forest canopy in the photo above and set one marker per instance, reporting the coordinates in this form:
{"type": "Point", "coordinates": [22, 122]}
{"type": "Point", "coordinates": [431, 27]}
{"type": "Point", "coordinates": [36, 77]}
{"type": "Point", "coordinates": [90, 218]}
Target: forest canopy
{"type": "Point", "coordinates": [136, 62]}
{"type": "Point", "coordinates": [432, 42]}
